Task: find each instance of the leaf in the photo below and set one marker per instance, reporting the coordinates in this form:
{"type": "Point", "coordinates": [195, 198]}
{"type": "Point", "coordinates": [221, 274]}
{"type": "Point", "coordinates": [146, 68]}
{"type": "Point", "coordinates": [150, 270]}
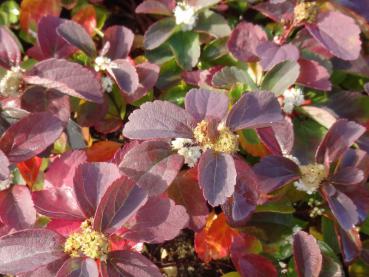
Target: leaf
{"type": "Point", "coordinates": [153, 7]}
{"type": "Point", "coordinates": [30, 136]}
{"type": "Point", "coordinates": [277, 11]}
{"type": "Point", "coordinates": [102, 151]}
{"type": "Point", "coordinates": [307, 255]}
{"type": "Point", "coordinates": [78, 267]}
{"type": "Point", "coordinates": [217, 176]}
{"type": "Point", "coordinates": [10, 54]}
{"type": "Point", "coordinates": [125, 75]}
{"type": "Point", "coordinates": [186, 49]}
{"type": "Point", "coordinates": [4, 167]}
{"type": "Point", "coordinates": [339, 138]}
{"type": "Point", "coordinates": [48, 270]}
{"type": "Point", "coordinates": [152, 165]}
{"type": "Point", "coordinates": [67, 77]}
{"type": "Point", "coordinates": [165, 224]}
{"type": "Point", "coordinates": [91, 180]}
{"type": "Point", "coordinates": [314, 75]}
{"type": "Point", "coordinates": [244, 40]}
{"type": "Point", "coordinates": [120, 202]}
{"type": "Point", "coordinates": [213, 24]}
{"type": "Point", "coordinates": [120, 41]}
{"type": "Point", "coordinates": [272, 54]}
{"type": "Point", "coordinates": [86, 17]}
{"type": "Point", "coordinates": [28, 250]}
{"type": "Point", "coordinates": [255, 265]}
{"type": "Point", "coordinates": [129, 263]}
{"type": "Point", "coordinates": [30, 169]}
{"type": "Point", "coordinates": [350, 242]}
{"type": "Point", "coordinates": [344, 43]}
{"type": "Point", "coordinates": [201, 4]}
{"type": "Point", "coordinates": [159, 32]}
{"type": "Point", "coordinates": [254, 110]}
{"type": "Point", "coordinates": [166, 121]}
{"type": "Point", "coordinates": [281, 77]}
{"type": "Point", "coordinates": [229, 76]}
{"type": "Point", "coordinates": [185, 191]}
{"type": "Point", "coordinates": [16, 207]}
{"type": "Point", "coordinates": [77, 36]}
{"type": "Point", "coordinates": [205, 104]}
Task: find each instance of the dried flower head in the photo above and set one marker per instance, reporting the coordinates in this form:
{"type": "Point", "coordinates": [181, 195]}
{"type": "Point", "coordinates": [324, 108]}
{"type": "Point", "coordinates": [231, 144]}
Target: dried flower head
{"type": "Point", "coordinates": [306, 12]}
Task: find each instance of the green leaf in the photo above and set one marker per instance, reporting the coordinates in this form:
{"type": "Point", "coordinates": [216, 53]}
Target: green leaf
{"type": "Point", "coordinates": [229, 76]}
{"type": "Point", "coordinates": [282, 206]}
{"type": "Point", "coordinates": [159, 32]}
{"type": "Point", "coordinates": [160, 55]}
{"type": "Point", "coordinates": [12, 10]}
{"type": "Point", "coordinates": [232, 274]}
{"type": "Point", "coordinates": [213, 24]}
{"type": "Point", "coordinates": [186, 49]}
{"type": "Point", "coordinates": [281, 77]}
{"type": "Point", "coordinates": [214, 50]}
{"type": "Point", "coordinates": [331, 264]}
{"type": "Point", "coordinates": [176, 94]}
{"type": "Point", "coordinates": [170, 75]}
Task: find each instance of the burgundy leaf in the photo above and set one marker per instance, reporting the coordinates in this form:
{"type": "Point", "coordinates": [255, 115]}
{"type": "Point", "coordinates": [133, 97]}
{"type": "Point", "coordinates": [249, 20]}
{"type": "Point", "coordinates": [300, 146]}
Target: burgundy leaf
{"type": "Point", "coordinates": [16, 207]}
{"type": "Point", "coordinates": [314, 75]}
{"type": "Point", "coordinates": [277, 11]}
{"type": "Point", "coordinates": [4, 167]}
{"type": "Point", "coordinates": [152, 165]}
{"type": "Point", "coordinates": [28, 250]}
{"type": "Point", "coordinates": [348, 176]}
{"type": "Point", "coordinates": [67, 77]}
{"type": "Point", "coordinates": [91, 181]}
{"type": "Point", "coordinates": [156, 227]}
{"type": "Point", "coordinates": [129, 264]}
{"type": "Point", "coordinates": [307, 255]}
{"type": "Point", "coordinates": [119, 203]}
{"type": "Point", "coordinates": [77, 36]}
{"type": "Point", "coordinates": [120, 41]}
{"type": "Point", "coordinates": [153, 7]}
{"type": "Point", "coordinates": [341, 206]}
{"type": "Point", "coordinates": [49, 270]}
{"type": "Point", "coordinates": [125, 75]}
{"type": "Point", "coordinates": [272, 54]}
{"type": "Point", "coordinates": [217, 176]}
{"type": "Point", "coordinates": [64, 227]}
{"type": "Point", "coordinates": [345, 42]}
{"type": "Point", "coordinates": [202, 104]}
{"type": "Point", "coordinates": [50, 43]}
{"type": "Point", "coordinates": [185, 191]}
{"type": "Point", "coordinates": [159, 119]}
{"type": "Point", "coordinates": [350, 243]}
{"type": "Point", "coordinates": [159, 32]}
{"type": "Point", "coordinates": [255, 266]}
{"type": "Point", "coordinates": [254, 110]}
{"type": "Point", "coordinates": [30, 136]}
{"type": "Point", "coordinates": [276, 171]}
{"type": "Point", "coordinates": [339, 138]}
{"type": "Point", "coordinates": [244, 40]}
{"type": "Point", "coordinates": [355, 158]}
{"type": "Point", "coordinates": [74, 267]}
{"type": "Point", "coordinates": [10, 54]}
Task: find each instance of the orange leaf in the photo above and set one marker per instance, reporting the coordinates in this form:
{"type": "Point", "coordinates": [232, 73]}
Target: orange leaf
{"type": "Point", "coordinates": [29, 170]}
{"type": "Point", "coordinates": [214, 240]}
{"type": "Point", "coordinates": [31, 11]}
{"type": "Point", "coordinates": [102, 151]}
{"type": "Point", "coordinates": [86, 16]}
{"type": "Point", "coordinates": [255, 149]}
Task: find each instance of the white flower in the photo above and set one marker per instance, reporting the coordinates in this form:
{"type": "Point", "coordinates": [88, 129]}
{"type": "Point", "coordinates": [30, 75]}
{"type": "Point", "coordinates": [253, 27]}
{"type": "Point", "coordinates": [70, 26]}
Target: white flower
{"type": "Point", "coordinates": [312, 176]}
{"type": "Point", "coordinates": [102, 63]}
{"type": "Point", "coordinates": [179, 143]}
{"type": "Point", "coordinates": [107, 84]}
{"type": "Point", "coordinates": [185, 16]}
{"type": "Point", "coordinates": [5, 184]}
{"type": "Point", "coordinates": [292, 97]}
{"type": "Point", "coordinates": [187, 149]}
{"type": "Point", "coordinates": [9, 84]}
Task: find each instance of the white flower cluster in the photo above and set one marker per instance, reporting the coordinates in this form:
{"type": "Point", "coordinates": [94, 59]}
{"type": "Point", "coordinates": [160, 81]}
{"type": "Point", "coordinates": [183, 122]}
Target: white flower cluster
{"type": "Point", "coordinates": [107, 84]}
{"type": "Point", "coordinates": [312, 176]}
{"type": "Point", "coordinates": [292, 97]}
{"type": "Point", "coordinates": [186, 148]}
{"type": "Point", "coordinates": [102, 63]}
{"type": "Point", "coordinates": [185, 16]}
{"type": "Point", "coordinates": [316, 210]}
{"type": "Point", "coordinates": [9, 84]}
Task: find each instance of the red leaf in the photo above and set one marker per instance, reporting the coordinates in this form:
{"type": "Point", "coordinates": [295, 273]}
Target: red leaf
{"type": "Point", "coordinates": [255, 266]}
{"type": "Point", "coordinates": [102, 151]}
{"type": "Point", "coordinates": [10, 54]}
{"type": "Point", "coordinates": [30, 169]}
{"type": "Point", "coordinates": [314, 75]}
{"type": "Point", "coordinates": [86, 16]}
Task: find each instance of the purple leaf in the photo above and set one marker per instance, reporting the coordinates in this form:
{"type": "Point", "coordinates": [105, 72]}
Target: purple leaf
{"type": "Point", "coordinates": [355, 158]}
{"type": "Point", "coordinates": [156, 227]}
{"type": "Point", "coordinates": [185, 191]}
{"type": "Point", "coordinates": [125, 75]}
{"type": "Point", "coordinates": [74, 267]}
{"type": "Point", "coordinates": [314, 75]}
{"type": "Point", "coordinates": [339, 138]}
{"type": "Point", "coordinates": [276, 171]}
{"type": "Point", "coordinates": [272, 54]}
{"type": "Point", "coordinates": [277, 11]}
{"type": "Point", "coordinates": [77, 36]}
{"type": "Point", "coordinates": [307, 255]}
{"type": "Point", "coordinates": [254, 265]}
{"type": "Point", "coordinates": [204, 104]}
{"type": "Point", "coordinates": [254, 110]}
{"type": "Point", "coordinates": [217, 176]}
{"type": "Point", "coordinates": [153, 7]}
{"type": "Point", "coordinates": [152, 165]}
{"type": "Point", "coordinates": [28, 250]}
{"type": "Point", "coordinates": [345, 42]}
{"type": "Point", "coordinates": [48, 270]}
{"type": "Point", "coordinates": [166, 120]}
{"type": "Point", "coordinates": [16, 207]}
{"type": "Point", "coordinates": [348, 176]}
{"type": "Point", "coordinates": [244, 40]}
{"type": "Point", "coordinates": [4, 167]}
{"type": "Point", "coordinates": [30, 136]}
{"type": "Point", "coordinates": [10, 54]}
{"type": "Point", "coordinates": [129, 264]}
{"type": "Point", "coordinates": [119, 203]}
{"type": "Point", "coordinates": [67, 77]}
{"type": "Point", "coordinates": [350, 243]}
{"type": "Point", "coordinates": [50, 43]}
{"type": "Point", "coordinates": [91, 180]}
{"type": "Point", "coordinates": [159, 32]}
{"type": "Point", "coordinates": [120, 41]}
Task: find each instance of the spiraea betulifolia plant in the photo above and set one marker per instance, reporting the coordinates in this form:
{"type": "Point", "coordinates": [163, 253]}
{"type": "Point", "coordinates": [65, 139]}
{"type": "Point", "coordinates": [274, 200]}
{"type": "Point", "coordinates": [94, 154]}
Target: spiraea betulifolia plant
{"type": "Point", "coordinates": [184, 138]}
